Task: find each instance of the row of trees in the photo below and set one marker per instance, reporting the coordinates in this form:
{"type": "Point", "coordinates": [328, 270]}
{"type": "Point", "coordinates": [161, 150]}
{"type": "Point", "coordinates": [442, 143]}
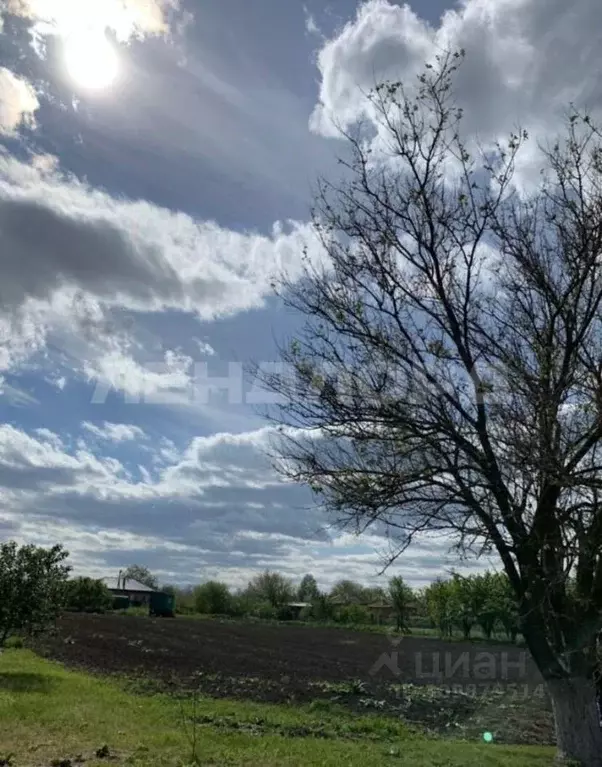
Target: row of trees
{"type": "Point", "coordinates": [457, 604]}
{"type": "Point", "coordinates": [35, 587]}
{"type": "Point", "coordinates": [486, 601]}
{"type": "Point", "coordinates": [270, 594]}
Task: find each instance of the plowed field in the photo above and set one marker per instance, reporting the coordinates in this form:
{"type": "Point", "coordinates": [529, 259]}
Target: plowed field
{"type": "Point", "coordinates": [436, 684]}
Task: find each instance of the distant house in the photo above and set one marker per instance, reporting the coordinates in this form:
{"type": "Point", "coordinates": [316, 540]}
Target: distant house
{"type": "Point", "coordinates": [138, 593]}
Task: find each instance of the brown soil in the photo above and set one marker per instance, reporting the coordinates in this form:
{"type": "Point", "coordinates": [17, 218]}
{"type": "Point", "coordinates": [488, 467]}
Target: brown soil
{"type": "Point", "coordinates": [299, 664]}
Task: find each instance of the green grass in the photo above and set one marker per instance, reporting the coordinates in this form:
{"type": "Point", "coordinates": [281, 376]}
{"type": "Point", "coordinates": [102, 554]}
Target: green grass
{"type": "Point", "coordinates": [48, 713]}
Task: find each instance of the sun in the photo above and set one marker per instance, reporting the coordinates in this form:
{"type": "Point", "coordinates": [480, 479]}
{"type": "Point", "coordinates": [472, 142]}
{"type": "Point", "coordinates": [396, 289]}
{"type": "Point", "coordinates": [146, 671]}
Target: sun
{"type": "Point", "coordinates": [91, 60]}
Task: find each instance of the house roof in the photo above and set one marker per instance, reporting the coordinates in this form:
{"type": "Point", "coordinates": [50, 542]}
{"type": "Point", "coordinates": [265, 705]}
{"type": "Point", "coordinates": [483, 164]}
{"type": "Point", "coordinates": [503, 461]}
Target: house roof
{"type": "Point", "coordinates": [130, 585]}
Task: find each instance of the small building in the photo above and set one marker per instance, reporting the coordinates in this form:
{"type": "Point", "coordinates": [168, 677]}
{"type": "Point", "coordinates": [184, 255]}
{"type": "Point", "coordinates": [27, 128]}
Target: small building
{"type": "Point", "coordinates": [138, 593]}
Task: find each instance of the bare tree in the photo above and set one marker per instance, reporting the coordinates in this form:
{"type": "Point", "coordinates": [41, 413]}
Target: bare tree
{"type": "Point", "coordinates": [449, 374]}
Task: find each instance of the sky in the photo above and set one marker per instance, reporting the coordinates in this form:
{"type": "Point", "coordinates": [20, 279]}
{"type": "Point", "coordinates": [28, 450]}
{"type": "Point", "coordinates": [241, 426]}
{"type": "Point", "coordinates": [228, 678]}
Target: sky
{"type": "Point", "coordinates": [157, 161]}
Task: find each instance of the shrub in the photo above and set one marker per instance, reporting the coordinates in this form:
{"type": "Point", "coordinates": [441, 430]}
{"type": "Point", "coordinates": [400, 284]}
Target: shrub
{"type": "Point", "coordinates": [270, 587]}
{"type": "Point", "coordinates": [265, 611]}
{"type": "Point", "coordinates": [212, 598]}
{"type": "Point", "coordinates": [87, 595]}
{"type": "Point", "coordinates": [32, 588]}
{"type": "Point", "coordinates": [353, 614]}
{"type": "Point", "coordinates": [307, 614]}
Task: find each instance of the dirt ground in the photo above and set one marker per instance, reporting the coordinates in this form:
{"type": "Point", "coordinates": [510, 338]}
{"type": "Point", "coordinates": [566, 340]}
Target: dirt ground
{"type": "Point", "coordinates": [442, 686]}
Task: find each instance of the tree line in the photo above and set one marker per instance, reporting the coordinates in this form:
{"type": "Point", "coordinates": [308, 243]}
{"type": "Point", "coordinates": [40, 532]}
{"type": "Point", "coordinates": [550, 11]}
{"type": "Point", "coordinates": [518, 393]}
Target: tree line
{"type": "Point", "coordinates": [35, 587]}
{"type": "Point", "coordinates": [458, 604]}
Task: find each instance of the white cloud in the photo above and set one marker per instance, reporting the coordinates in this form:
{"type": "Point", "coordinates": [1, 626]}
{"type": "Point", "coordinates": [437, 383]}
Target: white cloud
{"type": "Point", "coordinates": [205, 348]}
{"type": "Point", "coordinates": [125, 18]}
{"type": "Point", "coordinates": [526, 61]}
{"type": "Point", "coordinates": [57, 233]}
{"type": "Point", "coordinates": [213, 509]}
{"type": "Point", "coordinates": [73, 258]}
{"type": "Point", "coordinates": [310, 23]}
{"type": "Point", "coordinates": [18, 102]}
{"type": "Point", "coordinates": [114, 432]}
{"type": "Point", "coordinates": [384, 40]}
{"type": "Point", "coordinates": [16, 396]}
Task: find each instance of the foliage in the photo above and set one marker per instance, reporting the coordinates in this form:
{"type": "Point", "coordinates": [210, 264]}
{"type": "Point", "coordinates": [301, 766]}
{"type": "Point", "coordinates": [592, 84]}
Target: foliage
{"type": "Point", "coordinates": [143, 575]}
{"type": "Point", "coordinates": [32, 587]}
{"type": "Point", "coordinates": [265, 611]}
{"type": "Point", "coordinates": [401, 597]}
{"type": "Point", "coordinates": [87, 595]}
{"type": "Point", "coordinates": [353, 614]}
{"type": "Point", "coordinates": [486, 598]}
{"type": "Point", "coordinates": [465, 605]}
{"type": "Point", "coordinates": [349, 592]}
{"type": "Point", "coordinates": [439, 605]}
{"type": "Point", "coordinates": [184, 600]}
{"type": "Point", "coordinates": [507, 606]}
{"type": "Point", "coordinates": [451, 363]}
{"type": "Point", "coordinates": [212, 598]}
{"type": "Point", "coordinates": [272, 588]}
{"type": "Point", "coordinates": [322, 608]}
{"type": "Point", "coordinates": [308, 590]}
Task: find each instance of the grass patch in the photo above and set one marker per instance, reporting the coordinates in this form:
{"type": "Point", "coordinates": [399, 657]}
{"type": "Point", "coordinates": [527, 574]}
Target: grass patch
{"type": "Point", "coordinates": [49, 715]}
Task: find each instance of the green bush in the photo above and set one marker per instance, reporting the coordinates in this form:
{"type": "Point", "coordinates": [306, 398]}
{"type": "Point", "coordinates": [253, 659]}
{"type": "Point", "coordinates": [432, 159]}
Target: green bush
{"type": "Point", "coordinates": [307, 614]}
{"type": "Point", "coordinates": [87, 595]}
{"type": "Point", "coordinates": [353, 614]}
{"type": "Point", "coordinates": [239, 606]}
{"type": "Point", "coordinates": [32, 588]}
{"type": "Point", "coordinates": [270, 587]}
{"type": "Point", "coordinates": [212, 598]}
{"type": "Point", "coordinates": [265, 611]}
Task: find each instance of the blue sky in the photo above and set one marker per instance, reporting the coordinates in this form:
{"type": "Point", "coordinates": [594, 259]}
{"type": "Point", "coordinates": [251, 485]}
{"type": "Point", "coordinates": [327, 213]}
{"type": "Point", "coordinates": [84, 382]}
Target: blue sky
{"type": "Point", "coordinates": [142, 224]}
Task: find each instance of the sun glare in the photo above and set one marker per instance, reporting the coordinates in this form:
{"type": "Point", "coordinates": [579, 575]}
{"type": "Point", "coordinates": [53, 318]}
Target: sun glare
{"type": "Point", "coordinates": [91, 61]}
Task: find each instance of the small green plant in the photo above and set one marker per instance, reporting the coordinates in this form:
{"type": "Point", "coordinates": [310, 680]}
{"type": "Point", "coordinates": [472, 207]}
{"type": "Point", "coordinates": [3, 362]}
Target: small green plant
{"type": "Point", "coordinates": [189, 725]}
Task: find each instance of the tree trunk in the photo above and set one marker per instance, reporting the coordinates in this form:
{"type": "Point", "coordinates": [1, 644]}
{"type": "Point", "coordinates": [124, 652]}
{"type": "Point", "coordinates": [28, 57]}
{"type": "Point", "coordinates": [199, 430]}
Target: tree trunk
{"type": "Point", "coordinates": [578, 732]}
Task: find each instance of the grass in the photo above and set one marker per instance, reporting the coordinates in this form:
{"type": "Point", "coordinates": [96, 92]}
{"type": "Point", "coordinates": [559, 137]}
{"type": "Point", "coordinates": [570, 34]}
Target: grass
{"type": "Point", "coordinates": [49, 714]}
